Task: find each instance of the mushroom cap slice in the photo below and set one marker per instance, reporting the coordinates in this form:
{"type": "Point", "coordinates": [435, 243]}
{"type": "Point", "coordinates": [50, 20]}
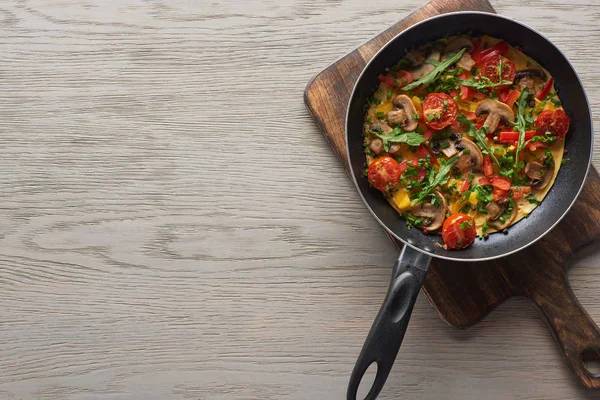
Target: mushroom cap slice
{"type": "Point", "coordinates": [424, 68]}
{"type": "Point", "coordinates": [462, 42]}
{"type": "Point", "coordinates": [539, 174]}
{"type": "Point", "coordinates": [496, 210]}
{"type": "Point", "coordinates": [404, 104]}
{"type": "Point", "coordinates": [471, 160]}
{"type": "Point", "coordinates": [458, 44]}
{"type": "Point", "coordinates": [532, 72]}
{"type": "Point", "coordinates": [449, 150]}
{"type": "Point", "coordinates": [433, 215]}
{"type": "Point", "coordinates": [496, 111]}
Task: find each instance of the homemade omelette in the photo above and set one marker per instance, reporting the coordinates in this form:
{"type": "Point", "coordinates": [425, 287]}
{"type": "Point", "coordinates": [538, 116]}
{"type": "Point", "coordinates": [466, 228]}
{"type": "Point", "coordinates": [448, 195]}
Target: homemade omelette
{"type": "Point", "coordinates": [464, 137]}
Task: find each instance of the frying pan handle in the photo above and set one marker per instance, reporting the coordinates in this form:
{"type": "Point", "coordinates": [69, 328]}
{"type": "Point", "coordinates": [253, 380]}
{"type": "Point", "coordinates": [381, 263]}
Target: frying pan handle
{"type": "Point", "coordinates": [386, 334]}
{"type": "Point", "coordinates": [574, 330]}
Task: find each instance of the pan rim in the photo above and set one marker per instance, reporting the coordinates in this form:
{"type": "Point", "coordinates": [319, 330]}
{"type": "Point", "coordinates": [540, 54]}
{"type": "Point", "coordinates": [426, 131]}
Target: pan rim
{"type": "Point", "coordinates": [519, 248]}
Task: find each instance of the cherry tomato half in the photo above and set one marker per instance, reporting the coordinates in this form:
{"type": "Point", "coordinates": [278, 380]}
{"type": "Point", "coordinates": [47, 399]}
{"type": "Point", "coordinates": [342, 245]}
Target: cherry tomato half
{"type": "Point", "coordinates": [384, 173]}
{"type": "Point", "coordinates": [556, 122]}
{"type": "Point", "coordinates": [458, 231]}
{"type": "Point", "coordinates": [491, 66]}
{"type": "Point", "coordinates": [439, 110]}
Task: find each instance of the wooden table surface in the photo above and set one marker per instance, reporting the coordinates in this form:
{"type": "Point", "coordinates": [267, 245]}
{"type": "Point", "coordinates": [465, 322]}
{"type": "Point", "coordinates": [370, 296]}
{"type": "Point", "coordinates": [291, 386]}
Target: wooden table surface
{"type": "Point", "coordinates": [174, 226]}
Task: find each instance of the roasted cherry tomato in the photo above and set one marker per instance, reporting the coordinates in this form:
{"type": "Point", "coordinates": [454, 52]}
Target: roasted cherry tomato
{"type": "Point", "coordinates": [439, 110]}
{"type": "Point", "coordinates": [384, 173]}
{"type": "Point", "coordinates": [496, 66]}
{"type": "Point", "coordinates": [458, 231]}
{"type": "Point", "coordinates": [556, 122]}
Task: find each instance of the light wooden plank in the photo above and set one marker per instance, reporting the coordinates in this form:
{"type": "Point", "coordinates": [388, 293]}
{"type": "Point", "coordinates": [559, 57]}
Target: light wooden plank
{"type": "Point", "coordinates": [175, 227]}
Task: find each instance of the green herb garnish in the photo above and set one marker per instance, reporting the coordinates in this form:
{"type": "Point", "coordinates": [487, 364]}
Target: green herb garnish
{"type": "Point", "coordinates": [484, 83]}
{"type": "Point", "coordinates": [397, 135]}
{"type": "Point", "coordinates": [478, 135]}
{"type": "Point", "coordinates": [433, 75]}
{"type": "Point", "coordinates": [521, 124]}
{"type": "Point", "coordinates": [437, 179]}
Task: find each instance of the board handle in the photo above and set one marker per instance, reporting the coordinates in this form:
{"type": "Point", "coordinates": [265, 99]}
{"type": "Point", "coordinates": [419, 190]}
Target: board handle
{"type": "Point", "coordinates": [575, 331]}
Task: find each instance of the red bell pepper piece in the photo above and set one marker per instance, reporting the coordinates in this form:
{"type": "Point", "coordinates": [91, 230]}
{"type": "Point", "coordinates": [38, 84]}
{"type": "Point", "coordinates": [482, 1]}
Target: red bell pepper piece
{"type": "Point", "coordinates": [413, 163]}
{"type": "Point", "coordinates": [480, 124]}
{"type": "Point", "coordinates": [519, 191]}
{"type": "Point", "coordinates": [498, 49]}
{"type": "Point", "coordinates": [469, 114]}
{"type": "Point", "coordinates": [508, 96]}
{"type": "Point", "coordinates": [422, 152]}
{"type": "Point", "coordinates": [488, 169]}
{"type": "Point", "coordinates": [464, 186]}
{"type": "Point", "coordinates": [512, 97]}
{"type": "Point", "coordinates": [454, 93]}
{"type": "Point", "coordinates": [400, 79]}
{"type": "Point", "coordinates": [545, 90]}
{"type": "Point", "coordinates": [495, 181]}
{"type": "Point", "coordinates": [499, 194]}
{"type": "Point", "coordinates": [464, 92]}
{"type": "Point", "coordinates": [428, 133]}
{"type": "Point", "coordinates": [511, 137]}
{"type": "Point", "coordinates": [536, 145]}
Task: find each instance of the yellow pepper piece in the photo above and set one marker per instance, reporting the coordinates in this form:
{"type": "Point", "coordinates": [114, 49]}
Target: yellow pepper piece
{"type": "Point", "coordinates": [417, 103]}
{"type": "Point", "coordinates": [402, 200]}
{"type": "Point", "coordinates": [473, 198]}
{"type": "Point", "coordinates": [384, 107]}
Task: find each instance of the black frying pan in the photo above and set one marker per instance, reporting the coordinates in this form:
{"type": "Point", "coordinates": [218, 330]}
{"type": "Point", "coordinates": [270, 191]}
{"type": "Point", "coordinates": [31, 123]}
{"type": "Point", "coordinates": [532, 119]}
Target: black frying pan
{"type": "Point", "coordinates": [386, 334]}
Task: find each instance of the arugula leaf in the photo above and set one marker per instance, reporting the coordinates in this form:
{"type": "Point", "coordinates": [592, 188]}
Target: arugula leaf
{"type": "Point", "coordinates": [521, 123]}
{"type": "Point", "coordinates": [479, 136]}
{"type": "Point", "coordinates": [440, 66]}
{"type": "Point", "coordinates": [484, 83]}
{"type": "Point", "coordinates": [438, 179]}
{"type": "Point", "coordinates": [397, 135]}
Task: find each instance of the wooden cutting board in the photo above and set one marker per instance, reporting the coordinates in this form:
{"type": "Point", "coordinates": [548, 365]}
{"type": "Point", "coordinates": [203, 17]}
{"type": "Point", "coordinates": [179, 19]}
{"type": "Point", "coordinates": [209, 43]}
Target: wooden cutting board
{"type": "Point", "coordinates": [464, 293]}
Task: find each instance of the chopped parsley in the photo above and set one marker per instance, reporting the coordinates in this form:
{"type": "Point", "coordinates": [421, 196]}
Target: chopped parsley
{"type": "Point", "coordinates": [465, 225]}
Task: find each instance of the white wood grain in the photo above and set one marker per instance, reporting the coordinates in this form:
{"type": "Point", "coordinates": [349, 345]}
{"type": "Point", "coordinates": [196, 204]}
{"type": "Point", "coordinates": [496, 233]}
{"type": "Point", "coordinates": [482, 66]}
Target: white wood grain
{"type": "Point", "coordinates": [173, 225]}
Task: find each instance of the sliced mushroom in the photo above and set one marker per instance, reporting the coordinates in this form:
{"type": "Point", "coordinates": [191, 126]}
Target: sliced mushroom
{"type": "Point", "coordinates": [375, 143]}
{"type": "Point", "coordinates": [433, 215]}
{"type": "Point", "coordinates": [403, 113]}
{"type": "Point", "coordinates": [496, 111]}
{"type": "Point", "coordinates": [415, 56]}
{"type": "Point", "coordinates": [450, 149]}
{"type": "Point", "coordinates": [497, 211]}
{"type": "Point", "coordinates": [530, 72]}
{"type": "Point", "coordinates": [424, 68]}
{"type": "Point", "coordinates": [458, 44]}
{"type": "Point", "coordinates": [539, 174]}
{"type": "Point", "coordinates": [380, 127]}
{"type": "Point", "coordinates": [376, 146]}
{"type": "Point", "coordinates": [525, 78]}
{"type": "Point", "coordinates": [465, 62]}
{"type": "Point", "coordinates": [468, 160]}
{"type": "Point", "coordinates": [527, 82]}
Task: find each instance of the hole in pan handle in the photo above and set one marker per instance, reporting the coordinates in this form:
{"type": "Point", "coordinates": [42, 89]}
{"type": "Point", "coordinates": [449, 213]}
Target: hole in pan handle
{"type": "Point", "coordinates": [386, 334]}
